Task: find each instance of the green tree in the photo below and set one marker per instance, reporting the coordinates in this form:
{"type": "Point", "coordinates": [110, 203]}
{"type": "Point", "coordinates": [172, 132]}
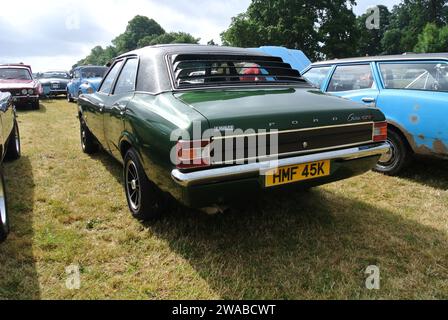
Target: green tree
{"type": "Point", "coordinates": [370, 41]}
{"type": "Point", "coordinates": [138, 28]}
{"type": "Point", "coordinates": [408, 19]}
{"type": "Point", "coordinates": [141, 31]}
{"type": "Point", "coordinates": [432, 39]}
{"type": "Point", "coordinates": [316, 27]}
{"type": "Point", "coordinates": [289, 23]}
{"type": "Point", "coordinates": [338, 32]}
{"type": "Point", "coordinates": [166, 38]}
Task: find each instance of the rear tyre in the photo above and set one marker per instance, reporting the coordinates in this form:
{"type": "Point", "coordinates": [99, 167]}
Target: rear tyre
{"type": "Point", "coordinates": [89, 144]}
{"type": "Point", "coordinates": [13, 151]}
{"type": "Point", "coordinates": [398, 158]}
{"type": "Point", "coordinates": [69, 97]}
{"type": "Point", "coordinates": [4, 219]}
{"type": "Point", "coordinates": [35, 105]}
{"type": "Point", "coordinates": [146, 202]}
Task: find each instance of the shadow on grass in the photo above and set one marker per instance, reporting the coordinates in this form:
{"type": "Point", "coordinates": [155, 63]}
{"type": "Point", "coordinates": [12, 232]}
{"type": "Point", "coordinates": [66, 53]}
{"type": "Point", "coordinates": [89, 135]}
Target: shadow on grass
{"type": "Point", "coordinates": [306, 246]}
{"type": "Point", "coordinates": [28, 109]}
{"type": "Point", "coordinates": [18, 276]}
{"type": "Point", "coordinates": [428, 171]}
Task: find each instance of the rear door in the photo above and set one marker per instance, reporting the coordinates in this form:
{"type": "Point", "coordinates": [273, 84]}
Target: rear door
{"type": "Point", "coordinates": [115, 107]}
{"type": "Point", "coordinates": [414, 96]}
{"type": "Point", "coordinates": [355, 82]}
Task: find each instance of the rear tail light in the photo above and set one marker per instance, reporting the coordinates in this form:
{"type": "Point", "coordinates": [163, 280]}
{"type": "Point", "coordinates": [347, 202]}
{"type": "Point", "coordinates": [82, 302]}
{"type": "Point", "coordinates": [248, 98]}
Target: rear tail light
{"type": "Point", "coordinates": [380, 131]}
{"type": "Point", "coordinates": [193, 154]}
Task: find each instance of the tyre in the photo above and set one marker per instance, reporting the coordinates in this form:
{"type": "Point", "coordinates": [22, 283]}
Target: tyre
{"type": "Point", "coordinates": [35, 105]}
{"type": "Point", "coordinates": [398, 158]}
{"type": "Point", "coordinates": [13, 151]}
{"type": "Point", "coordinates": [89, 144]}
{"type": "Point", "coordinates": [69, 97]}
{"type": "Point", "coordinates": [4, 219]}
{"type": "Point", "coordinates": [146, 202]}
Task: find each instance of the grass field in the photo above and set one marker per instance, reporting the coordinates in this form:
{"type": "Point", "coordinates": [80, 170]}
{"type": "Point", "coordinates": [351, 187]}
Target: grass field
{"type": "Point", "coordinates": [69, 208]}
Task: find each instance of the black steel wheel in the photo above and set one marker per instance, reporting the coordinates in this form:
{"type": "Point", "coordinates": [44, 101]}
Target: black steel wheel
{"type": "Point", "coordinates": [89, 144]}
{"type": "Point", "coordinates": [14, 151]}
{"type": "Point", "coordinates": [145, 200]}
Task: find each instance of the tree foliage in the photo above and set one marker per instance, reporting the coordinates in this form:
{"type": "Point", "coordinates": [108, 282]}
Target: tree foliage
{"type": "Point", "coordinates": [140, 32]}
{"type": "Point", "coordinates": [329, 29]}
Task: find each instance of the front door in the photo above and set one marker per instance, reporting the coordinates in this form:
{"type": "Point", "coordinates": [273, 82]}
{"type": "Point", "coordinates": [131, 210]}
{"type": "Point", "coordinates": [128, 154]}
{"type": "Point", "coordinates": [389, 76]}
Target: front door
{"type": "Point", "coordinates": [355, 82]}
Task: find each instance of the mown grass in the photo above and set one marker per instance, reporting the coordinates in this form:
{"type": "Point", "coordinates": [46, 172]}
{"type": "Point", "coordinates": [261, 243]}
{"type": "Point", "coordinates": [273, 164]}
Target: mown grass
{"type": "Point", "coordinates": [69, 208]}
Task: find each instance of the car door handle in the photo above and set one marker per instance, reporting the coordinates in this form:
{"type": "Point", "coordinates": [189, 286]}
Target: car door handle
{"type": "Point", "coordinates": [368, 100]}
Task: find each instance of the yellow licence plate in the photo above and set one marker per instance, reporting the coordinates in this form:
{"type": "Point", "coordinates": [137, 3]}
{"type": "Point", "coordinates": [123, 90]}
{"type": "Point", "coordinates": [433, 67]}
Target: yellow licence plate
{"type": "Point", "coordinates": [300, 172]}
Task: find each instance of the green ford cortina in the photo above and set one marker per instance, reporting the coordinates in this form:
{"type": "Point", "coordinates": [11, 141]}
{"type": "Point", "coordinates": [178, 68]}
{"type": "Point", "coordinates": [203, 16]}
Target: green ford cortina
{"type": "Point", "coordinates": [214, 125]}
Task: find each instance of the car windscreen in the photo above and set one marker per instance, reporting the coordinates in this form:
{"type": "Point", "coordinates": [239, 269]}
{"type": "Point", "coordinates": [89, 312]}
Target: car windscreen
{"type": "Point", "coordinates": [55, 75]}
{"type": "Point", "coordinates": [202, 70]}
{"type": "Point", "coordinates": [97, 72]}
{"type": "Point", "coordinates": [14, 74]}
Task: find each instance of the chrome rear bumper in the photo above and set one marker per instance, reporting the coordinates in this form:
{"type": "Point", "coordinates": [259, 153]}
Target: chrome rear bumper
{"type": "Point", "coordinates": [241, 171]}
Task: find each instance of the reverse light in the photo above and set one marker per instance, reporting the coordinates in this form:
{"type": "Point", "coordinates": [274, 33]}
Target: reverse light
{"type": "Point", "coordinates": [193, 154]}
{"type": "Point", "coordinates": [380, 131]}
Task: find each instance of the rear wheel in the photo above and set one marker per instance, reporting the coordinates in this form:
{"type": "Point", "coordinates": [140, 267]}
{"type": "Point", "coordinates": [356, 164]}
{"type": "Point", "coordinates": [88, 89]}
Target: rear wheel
{"type": "Point", "coordinates": [4, 219]}
{"type": "Point", "coordinates": [35, 105]}
{"type": "Point", "coordinates": [69, 97]}
{"type": "Point", "coordinates": [398, 158]}
{"type": "Point", "coordinates": [145, 200]}
{"type": "Point", "coordinates": [89, 144]}
{"type": "Point", "coordinates": [13, 150]}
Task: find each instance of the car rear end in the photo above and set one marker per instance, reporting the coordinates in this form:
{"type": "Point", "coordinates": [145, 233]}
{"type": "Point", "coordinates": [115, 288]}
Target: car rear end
{"type": "Point", "coordinates": [268, 129]}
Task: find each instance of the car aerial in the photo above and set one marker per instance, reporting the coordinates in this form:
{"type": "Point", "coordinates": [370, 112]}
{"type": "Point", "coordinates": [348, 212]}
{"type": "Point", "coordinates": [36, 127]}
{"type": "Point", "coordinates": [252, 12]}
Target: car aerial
{"type": "Point", "coordinates": [17, 79]}
{"type": "Point", "coordinates": [85, 79]}
{"type": "Point", "coordinates": [190, 122]}
{"type": "Point", "coordinates": [410, 89]}
{"type": "Point", "coordinates": [54, 83]}
{"type": "Point", "coordinates": [9, 149]}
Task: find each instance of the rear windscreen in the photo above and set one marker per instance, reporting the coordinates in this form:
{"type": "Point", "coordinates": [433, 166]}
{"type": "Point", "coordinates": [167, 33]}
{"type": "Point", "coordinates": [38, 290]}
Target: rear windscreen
{"type": "Point", "coordinates": [210, 70]}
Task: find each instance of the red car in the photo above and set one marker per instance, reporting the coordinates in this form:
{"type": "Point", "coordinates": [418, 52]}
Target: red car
{"type": "Point", "coordinates": [17, 79]}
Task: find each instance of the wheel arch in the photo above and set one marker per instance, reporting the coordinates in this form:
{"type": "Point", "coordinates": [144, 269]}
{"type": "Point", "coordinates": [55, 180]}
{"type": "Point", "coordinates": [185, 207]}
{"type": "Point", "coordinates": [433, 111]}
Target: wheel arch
{"type": "Point", "coordinates": [407, 137]}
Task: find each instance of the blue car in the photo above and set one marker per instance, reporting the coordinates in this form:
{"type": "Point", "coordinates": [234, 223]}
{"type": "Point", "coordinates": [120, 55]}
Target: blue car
{"type": "Point", "coordinates": [85, 80]}
{"type": "Point", "coordinates": [411, 90]}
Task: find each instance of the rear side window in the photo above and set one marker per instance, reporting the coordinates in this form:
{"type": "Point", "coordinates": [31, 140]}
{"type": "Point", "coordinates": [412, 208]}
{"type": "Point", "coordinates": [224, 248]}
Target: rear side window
{"type": "Point", "coordinates": [427, 76]}
{"type": "Point", "coordinates": [317, 76]}
{"type": "Point", "coordinates": [126, 80]}
{"type": "Point", "coordinates": [201, 70]}
{"type": "Point", "coordinates": [348, 78]}
{"type": "Point", "coordinates": [108, 82]}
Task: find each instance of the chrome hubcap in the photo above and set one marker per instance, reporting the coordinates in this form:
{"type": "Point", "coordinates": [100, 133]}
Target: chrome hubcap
{"type": "Point", "coordinates": [391, 157]}
{"type": "Point", "coordinates": [2, 205]}
{"type": "Point", "coordinates": [133, 186]}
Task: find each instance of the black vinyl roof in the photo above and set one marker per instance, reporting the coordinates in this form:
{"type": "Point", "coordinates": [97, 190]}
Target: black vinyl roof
{"type": "Point", "coordinates": [399, 57]}
{"type": "Point", "coordinates": [156, 62]}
